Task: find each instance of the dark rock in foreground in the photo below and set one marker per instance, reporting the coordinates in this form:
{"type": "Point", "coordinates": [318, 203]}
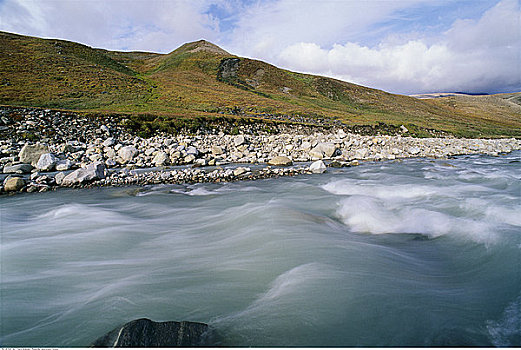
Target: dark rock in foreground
{"type": "Point", "coordinates": [146, 333]}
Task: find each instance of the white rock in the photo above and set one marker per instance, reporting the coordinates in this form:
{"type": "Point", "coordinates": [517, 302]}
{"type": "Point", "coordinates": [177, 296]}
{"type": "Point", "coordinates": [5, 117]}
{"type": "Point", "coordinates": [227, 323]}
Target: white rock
{"type": "Point", "coordinates": [109, 142]}
{"type": "Point", "coordinates": [175, 155]}
{"type": "Point", "coordinates": [316, 154]}
{"type": "Point", "coordinates": [63, 165]}
{"type": "Point", "coordinates": [414, 150]}
{"type": "Point", "coordinates": [91, 172]}
{"type": "Point", "coordinates": [239, 140]}
{"type": "Point", "coordinates": [59, 178]}
{"type": "Point", "coordinates": [31, 153]}
{"type": "Point", "coordinates": [189, 158]}
{"type": "Point", "coordinates": [200, 161]}
{"type": "Point", "coordinates": [217, 150]}
{"type": "Point", "coordinates": [127, 153]}
{"type": "Point", "coordinates": [239, 171]}
{"type": "Point", "coordinates": [160, 158]}
{"type": "Point", "coordinates": [109, 152]}
{"type": "Point", "coordinates": [96, 157]}
{"type": "Point", "coordinates": [305, 146]}
{"type": "Point", "coordinates": [46, 162]}
{"type": "Point", "coordinates": [192, 150]}
{"type": "Point", "coordinates": [150, 151]}
{"type": "Point", "coordinates": [328, 149]}
{"type": "Point", "coordinates": [361, 153]}
{"type": "Point", "coordinates": [317, 167]}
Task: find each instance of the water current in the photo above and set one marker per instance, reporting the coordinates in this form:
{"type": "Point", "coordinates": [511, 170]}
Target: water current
{"type": "Point", "coordinates": [417, 252]}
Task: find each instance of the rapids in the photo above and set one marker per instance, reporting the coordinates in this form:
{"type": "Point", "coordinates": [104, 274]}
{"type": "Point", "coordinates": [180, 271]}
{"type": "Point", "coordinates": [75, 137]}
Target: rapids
{"type": "Point", "coordinates": [416, 252]}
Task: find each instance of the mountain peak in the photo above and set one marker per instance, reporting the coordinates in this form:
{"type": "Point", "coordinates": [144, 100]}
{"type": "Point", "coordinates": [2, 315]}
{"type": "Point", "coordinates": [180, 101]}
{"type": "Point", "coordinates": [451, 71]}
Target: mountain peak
{"type": "Point", "coordinates": [203, 45]}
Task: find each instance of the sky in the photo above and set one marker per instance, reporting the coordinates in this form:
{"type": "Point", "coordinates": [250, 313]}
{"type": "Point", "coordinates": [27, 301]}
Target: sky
{"type": "Point", "coordinates": [400, 46]}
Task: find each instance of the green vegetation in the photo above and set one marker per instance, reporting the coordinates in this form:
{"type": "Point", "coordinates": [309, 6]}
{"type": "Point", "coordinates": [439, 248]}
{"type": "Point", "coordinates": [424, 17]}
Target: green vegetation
{"type": "Point", "coordinates": [184, 87]}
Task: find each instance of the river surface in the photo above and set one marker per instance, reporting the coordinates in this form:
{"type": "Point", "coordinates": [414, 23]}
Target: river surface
{"type": "Point", "coordinates": [406, 253]}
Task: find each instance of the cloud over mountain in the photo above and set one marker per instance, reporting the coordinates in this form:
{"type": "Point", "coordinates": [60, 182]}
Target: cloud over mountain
{"type": "Point", "coordinates": [473, 55]}
{"type": "Point", "coordinates": [399, 46]}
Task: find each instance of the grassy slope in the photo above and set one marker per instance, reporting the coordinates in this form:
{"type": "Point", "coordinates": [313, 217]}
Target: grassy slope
{"type": "Point", "coordinates": [61, 74]}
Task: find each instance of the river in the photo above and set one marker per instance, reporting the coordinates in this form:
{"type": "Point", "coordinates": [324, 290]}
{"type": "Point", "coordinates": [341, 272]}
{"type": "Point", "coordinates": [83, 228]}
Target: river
{"type": "Point", "coordinates": [417, 252]}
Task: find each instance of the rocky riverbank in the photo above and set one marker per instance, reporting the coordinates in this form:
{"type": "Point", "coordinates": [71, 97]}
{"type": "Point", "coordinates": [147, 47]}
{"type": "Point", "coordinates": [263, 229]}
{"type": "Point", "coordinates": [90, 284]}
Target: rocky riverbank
{"type": "Point", "coordinates": [42, 150]}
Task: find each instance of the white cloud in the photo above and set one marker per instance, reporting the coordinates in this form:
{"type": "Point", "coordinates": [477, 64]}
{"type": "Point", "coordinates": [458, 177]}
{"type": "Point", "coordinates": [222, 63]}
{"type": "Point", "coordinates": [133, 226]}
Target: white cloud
{"type": "Point", "coordinates": [266, 28]}
{"type": "Point", "coordinates": [473, 55]}
{"type": "Point", "coordinates": [153, 25]}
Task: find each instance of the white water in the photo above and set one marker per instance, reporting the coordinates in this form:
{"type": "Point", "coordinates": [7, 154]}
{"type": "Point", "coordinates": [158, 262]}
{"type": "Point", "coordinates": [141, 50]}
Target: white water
{"type": "Point", "coordinates": [412, 253]}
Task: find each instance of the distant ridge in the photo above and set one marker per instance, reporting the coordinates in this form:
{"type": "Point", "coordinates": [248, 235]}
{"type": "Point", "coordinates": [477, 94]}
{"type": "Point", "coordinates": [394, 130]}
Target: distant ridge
{"type": "Point", "coordinates": [200, 79]}
{"type": "Point", "coordinates": [446, 94]}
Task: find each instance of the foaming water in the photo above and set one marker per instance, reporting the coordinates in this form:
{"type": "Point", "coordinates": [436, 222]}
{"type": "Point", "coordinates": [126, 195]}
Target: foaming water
{"type": "Point", "coordinates": [412, 253]}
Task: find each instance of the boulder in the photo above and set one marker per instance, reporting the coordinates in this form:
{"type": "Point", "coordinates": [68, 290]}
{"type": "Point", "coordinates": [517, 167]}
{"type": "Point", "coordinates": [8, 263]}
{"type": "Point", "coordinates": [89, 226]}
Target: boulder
{"type": "Point", "coordinates": [341, 134]}
{"type": "Point", "coordinates": [239, 171]}
{"type": "Point", "coordinates": [31, 153]}
{"type": "Point", "coordinates": [414, 150]}
{"type": "Point", "coordinates": [316, 154]}
{"type": "Point", "coordinates": [317, 167]}
{"type": "Point", "coordinates": [18, 169]}
{"type": "Point", "coordinates": [200, 162]}
{"type": "Point", "coordinates": [174, 155]}
{"type": "Point", "coordinates": [160, 158]}
{"type": "Point", "coordinates": [109, 142]}
{"type": "Point", "coordinates": [58, 178]}
{"type": "Point", "coordinates": [217, 150]}
{"type": "Point", "coordinates": [189, 159]}
{"type": "Point", "coordinates": [63, 165]}
{"type": "Point", "coordinates": [109, 152]}
{"type": "Point", "coordinates": [280, 161]}
{"type": "Point", "coordinates": [327, 149]}
{"type": "Point", "coordinates": [91, 172]}
{"type": "Point", "coordinates": [104, 129]}
{"type": "Point", "coordinates": [14, 184]}
{"type": "Point", "coordinates": [110, 162]}
{"type": "Point", "coordinates": [361, 153]}
{"type": "Point", "coordinates": [239, 140]}
{"type": "Point", "coordinates": [47, 162]}
{"type": "Point", "coordinates": [192, 150]}
{"type": "Point", "coordinates": [146, 333]}
{"type": "Point", "coordinates": [305, 146]}
{"type": "Point", "coordinates": [127, 153]}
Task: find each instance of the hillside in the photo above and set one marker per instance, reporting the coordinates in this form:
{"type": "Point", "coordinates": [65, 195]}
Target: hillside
{"type": "Point", "coordinates": [200, 79]}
